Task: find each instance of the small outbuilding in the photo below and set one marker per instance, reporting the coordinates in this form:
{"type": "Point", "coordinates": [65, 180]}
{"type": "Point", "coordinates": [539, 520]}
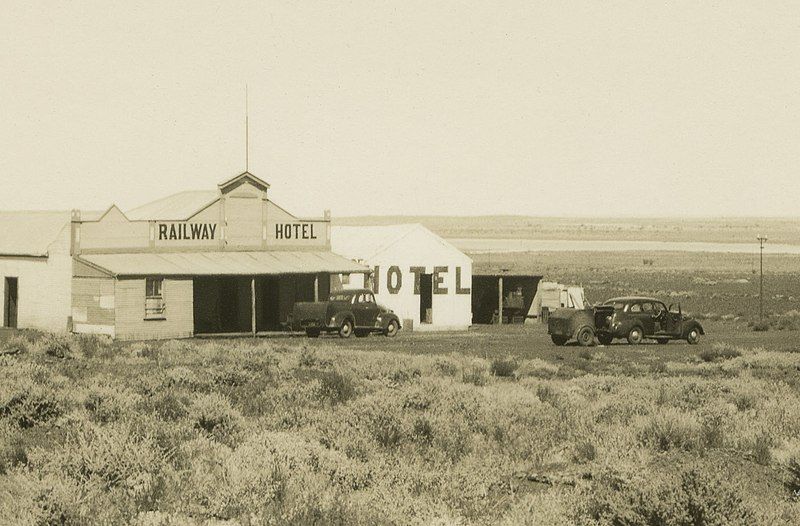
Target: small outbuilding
{"type": "Point", "coordinates": [502, 297]}
{"type": "Point", "coordinates": [420, 276]}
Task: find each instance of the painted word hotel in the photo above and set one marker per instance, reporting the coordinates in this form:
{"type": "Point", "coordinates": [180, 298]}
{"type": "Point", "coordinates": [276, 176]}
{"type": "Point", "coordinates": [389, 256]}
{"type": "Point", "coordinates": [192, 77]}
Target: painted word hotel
{"type": "Point", "coordinates": [228, 260]}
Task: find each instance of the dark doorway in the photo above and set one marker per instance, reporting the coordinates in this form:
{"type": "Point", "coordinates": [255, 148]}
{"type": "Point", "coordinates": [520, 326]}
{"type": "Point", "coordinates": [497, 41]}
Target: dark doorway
{"type": "Point", "coordinates": [426, 298]}
{"type": "Point", "coordinates": [268, 304]}
{"type": "Point", "coordinates": [10, 303]}
{"type": "Point", "coordinates": [222, 304]}
{"type": "Point", "coordinates": [518, 294]}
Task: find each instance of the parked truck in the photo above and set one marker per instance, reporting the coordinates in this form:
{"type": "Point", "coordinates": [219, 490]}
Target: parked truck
{"type": "Point", "coordinates": [347, 312]}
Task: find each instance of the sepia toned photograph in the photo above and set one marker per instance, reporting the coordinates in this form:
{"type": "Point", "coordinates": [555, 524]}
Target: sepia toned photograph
{"type": "Point", "coordinates": [270, 263]}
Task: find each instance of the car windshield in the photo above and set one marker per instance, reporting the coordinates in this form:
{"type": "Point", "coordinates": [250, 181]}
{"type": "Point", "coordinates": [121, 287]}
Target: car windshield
{"type": "Point", "coordinates": [618, 305]}
{"type": "Point", "coordinates": [341, 297]}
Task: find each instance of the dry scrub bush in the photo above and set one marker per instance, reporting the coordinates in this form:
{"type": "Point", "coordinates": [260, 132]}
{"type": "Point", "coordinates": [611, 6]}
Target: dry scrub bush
{"type": "Point", "coordinates": [335, 387]}
{"type": "Point", "coordinates": [30, 396]}
{"type": "Point", "coordinates": [793, 476]}
{"type": "Point", "coordinates": [720, 351]}
{"type": "Point", "coordinates": [689, 497]}
{"type": "Point", "coordinates": [270, 476]}
{"type": "Point", "coordinates": [214, 414]}
{"type": "Point", "coordinates": [476, 373]}
{"type": "Point", "coordinates": [669, 428]}
{"type": "Point", "coordinates": [56, 345]}
{"type": "Point", "coordinates": [15, 345]}
{"type": "Point", "coordinates": [504, 367]}
{"type": "Point", "coordinates": [101, 474]}
{"type": "Point", "coordinates": [109, 402]}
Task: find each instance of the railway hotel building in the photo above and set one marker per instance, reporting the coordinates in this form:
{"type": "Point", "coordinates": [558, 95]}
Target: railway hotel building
{"type": "Point", "coordinates": [223, 261]}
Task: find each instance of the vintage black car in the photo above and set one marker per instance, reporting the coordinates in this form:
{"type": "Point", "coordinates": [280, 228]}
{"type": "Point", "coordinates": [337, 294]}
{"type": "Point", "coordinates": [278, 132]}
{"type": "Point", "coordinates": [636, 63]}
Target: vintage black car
{"type": "Point", "coordinates": [347, 312]}
{"type": "Point", "coordinates": [633, 318]}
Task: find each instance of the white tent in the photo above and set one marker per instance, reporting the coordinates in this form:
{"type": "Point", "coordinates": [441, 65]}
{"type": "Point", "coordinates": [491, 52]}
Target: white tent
{"type": "Point", "coordinates": [551, 295]}
{"type": "Point", "coordinates": [416, 273]}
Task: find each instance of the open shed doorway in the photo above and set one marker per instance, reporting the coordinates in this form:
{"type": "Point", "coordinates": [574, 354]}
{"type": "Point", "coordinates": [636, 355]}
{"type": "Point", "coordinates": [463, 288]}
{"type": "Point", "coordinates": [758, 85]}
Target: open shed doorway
{"type": "Point", "coordinates": [222, 304]}
{"type": "Point", "coordinates": [518, 293]}
{"type": "Point", "coordinates": [276, 296]}
{"type": "Point", "coordinates": [10, 302]}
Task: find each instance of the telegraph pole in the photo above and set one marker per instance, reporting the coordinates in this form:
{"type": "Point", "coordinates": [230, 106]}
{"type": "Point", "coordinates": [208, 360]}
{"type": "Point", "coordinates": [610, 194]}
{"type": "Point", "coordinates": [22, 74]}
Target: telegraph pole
{"type": "Point", "coordinates": [761, 241]}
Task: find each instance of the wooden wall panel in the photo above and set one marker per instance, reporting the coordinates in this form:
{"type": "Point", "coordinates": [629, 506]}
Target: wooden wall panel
{"type": "Point", "coordinates": [179, 312]}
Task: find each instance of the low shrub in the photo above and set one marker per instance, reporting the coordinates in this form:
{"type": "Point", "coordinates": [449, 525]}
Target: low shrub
{"type": "Point", "coordinates": [12, 453]}
{"type": "Point", "coordinates": [762, 453]}
{"type": "Point", "coordinates": [793, 479]}
{"type": "Point", "coordinates": [720, 351]}
{"type": "Point", "coordinates": [546, 394]}
{"type": "Point", "coordinates": [31, 407]}
{"type": "Point", "coordinates": [307, 358]}
{"type": "Point", "coordinates": [56, 345]}
{"type": "Point", "coordinates": [690, 497]}
{"type": "Point", "coordinates": [584, 452]}
{"type": "Point", "coordinates": [505, 367]}
{"type": "Point", "coordinates": [402, 375]}
{"type": "Point", "coordinates": [336, 388]}
{"type": "Point", "coordinates": [114, 469]}
{"type": "Point", "coordinates": [712, 429]}
{"type": "Point", "coordinates": [15, 345]}
{"type": "Point", "coordinates": [761, 326]}
{"type": "Point", "coordinates": [585, 354]}
{"type": "Point", "coordinates": [214, 414]}
{"type": "Point", "coordinates": [93, 346]}
{"type": "Point", "coordinates": [668, 429]}
{"type": "Point", "coordinates": [787, 324]}
{"type": "Point", "coordinates": [445, 367]}
{"type": "Point", "coordinates": [745, 401]}
{"type": "Point", "coordinates": [475, 374]}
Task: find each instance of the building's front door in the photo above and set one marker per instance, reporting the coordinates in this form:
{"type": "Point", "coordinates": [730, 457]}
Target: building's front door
{"type": "Point", "coordinates": [10, 303]}
{"type": "Point", "coordinates": [426, 298]}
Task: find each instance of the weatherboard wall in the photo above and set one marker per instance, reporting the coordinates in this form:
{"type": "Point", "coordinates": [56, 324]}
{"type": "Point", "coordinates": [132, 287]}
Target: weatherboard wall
{"type": "Point", "coordinates": [129, 302]}
{"type": "Point", "coordinates": [44, 292]}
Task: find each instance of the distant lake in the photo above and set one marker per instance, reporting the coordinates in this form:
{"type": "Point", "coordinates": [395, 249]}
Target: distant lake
{"type": "Point", "coordinates": [478, 245]}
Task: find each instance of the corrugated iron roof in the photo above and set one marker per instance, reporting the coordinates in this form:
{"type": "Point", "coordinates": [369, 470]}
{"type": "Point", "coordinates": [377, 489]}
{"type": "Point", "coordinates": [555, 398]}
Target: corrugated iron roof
{"type": "Point", "coordinates": [222, 263]}
{"type": "Point", "coordinates": [30, 233]}
{"type": "Point", "coordinates": [365, 242]}
{"type": "Point", "coordinates": [175, 207]}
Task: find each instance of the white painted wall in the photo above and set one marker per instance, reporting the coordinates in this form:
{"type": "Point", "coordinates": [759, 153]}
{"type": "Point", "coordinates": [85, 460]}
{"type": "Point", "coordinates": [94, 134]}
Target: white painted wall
{"type": "Point", "coordinates": [419, 248]}
{"type": "Point", "coordinates": [44, 286]}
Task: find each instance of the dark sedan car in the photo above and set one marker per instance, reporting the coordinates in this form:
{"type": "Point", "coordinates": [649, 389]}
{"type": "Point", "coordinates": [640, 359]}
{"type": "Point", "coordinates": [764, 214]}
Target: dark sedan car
{"type": "Point", "coordinates": [633, 318]}
{"type": "Point", "coordinates": [636, 318]}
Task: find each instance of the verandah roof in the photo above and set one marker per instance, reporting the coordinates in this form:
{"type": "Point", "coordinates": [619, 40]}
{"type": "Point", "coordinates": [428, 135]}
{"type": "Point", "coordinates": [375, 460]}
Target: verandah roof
{"type": "Point", "coordinates": [222, 263]}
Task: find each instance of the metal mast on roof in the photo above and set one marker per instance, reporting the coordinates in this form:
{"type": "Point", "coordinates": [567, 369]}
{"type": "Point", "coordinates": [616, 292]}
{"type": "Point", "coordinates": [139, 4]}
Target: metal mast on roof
{"type": "Point", "coordinates": [246, 132]}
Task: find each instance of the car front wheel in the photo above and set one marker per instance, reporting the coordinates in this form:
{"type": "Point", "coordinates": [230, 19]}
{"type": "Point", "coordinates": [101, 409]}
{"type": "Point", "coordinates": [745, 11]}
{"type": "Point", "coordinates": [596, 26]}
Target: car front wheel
{"type": "Point", "coordinates": [346, 329]}
{"type": "Point", "coordinates": [635, 337]}
{"type": "Point", "coordinates": [391, 329]}
{"type": "Point", "coordinates": [585, 337]}
{"type": "Point", "coordinates": [693, 337]}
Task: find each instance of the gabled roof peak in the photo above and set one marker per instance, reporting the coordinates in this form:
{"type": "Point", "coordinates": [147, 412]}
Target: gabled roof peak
{"type": "Point", "coordinates": [244, 176]}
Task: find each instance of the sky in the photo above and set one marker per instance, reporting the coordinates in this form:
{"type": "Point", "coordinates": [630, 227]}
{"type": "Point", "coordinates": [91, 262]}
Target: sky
{"type": "Point", "coordinates": [407, 107]}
